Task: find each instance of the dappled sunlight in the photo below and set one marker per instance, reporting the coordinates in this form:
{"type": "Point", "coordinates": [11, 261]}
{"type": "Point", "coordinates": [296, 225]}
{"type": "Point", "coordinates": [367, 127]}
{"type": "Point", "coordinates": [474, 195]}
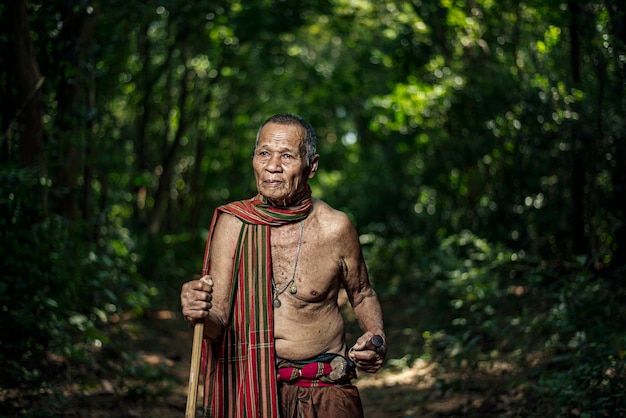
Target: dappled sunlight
{"type": "Point", "coordinates": [427, 390]}
{"type": "Point", "coordinates": [419, 374]}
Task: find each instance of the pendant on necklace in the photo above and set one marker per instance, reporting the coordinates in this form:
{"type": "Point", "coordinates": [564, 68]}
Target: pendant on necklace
{"type": "Point", "coordinates": [276, 302]}
{"type": "Point", "coordinates": [293, 289]}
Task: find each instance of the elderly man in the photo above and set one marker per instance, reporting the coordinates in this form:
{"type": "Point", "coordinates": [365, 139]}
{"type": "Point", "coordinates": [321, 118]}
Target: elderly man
{"type": "Point", "coordinates": [274, 264]}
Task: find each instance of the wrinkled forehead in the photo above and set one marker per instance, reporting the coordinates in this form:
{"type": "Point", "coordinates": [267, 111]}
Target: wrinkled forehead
{"type": "Point", "coordinates": [288, 135]}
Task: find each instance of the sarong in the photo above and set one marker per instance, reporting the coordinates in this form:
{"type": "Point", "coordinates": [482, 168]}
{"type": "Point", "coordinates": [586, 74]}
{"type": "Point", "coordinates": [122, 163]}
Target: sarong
{"type": "Point", "coordinates": [338, 401]}
{"type": "Point", "coordinates": [318, 388]}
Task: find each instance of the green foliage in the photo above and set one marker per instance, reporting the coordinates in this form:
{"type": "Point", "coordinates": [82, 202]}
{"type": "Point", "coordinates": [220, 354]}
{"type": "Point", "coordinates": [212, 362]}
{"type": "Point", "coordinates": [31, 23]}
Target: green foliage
{"type": "Point", "coordinates": [587, 369]}
{"type": "Point", "coordinates": [60, 292]}
{"type": "Point", "coordinates": [502, 305]}
{"type": "Point", "coordinates": [476, 280]}
{"type": "Point", "coordinates": [589, 383]}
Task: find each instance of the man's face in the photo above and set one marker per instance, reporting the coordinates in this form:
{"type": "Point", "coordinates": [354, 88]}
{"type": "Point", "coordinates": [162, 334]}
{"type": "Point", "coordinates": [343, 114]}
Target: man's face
{"type": "Point", "coordinates": [280, 170]}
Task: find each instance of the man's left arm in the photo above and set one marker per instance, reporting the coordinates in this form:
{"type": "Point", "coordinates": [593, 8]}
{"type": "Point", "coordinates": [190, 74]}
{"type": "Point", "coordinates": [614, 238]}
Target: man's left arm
{"type": "Point", "coordinates": [365, 304]}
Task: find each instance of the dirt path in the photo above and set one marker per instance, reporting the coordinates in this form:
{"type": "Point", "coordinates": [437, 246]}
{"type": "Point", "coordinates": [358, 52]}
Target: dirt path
{"type": "Point", "coordinates": [167, 341]}
{"type": "Point", "coordinates": [385, 395]}
{"type": "Point", "coordinates": [161, 346]}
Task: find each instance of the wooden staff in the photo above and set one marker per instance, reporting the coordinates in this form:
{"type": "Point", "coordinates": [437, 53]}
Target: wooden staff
{"type": "Point", "coordinates": [194, 371]}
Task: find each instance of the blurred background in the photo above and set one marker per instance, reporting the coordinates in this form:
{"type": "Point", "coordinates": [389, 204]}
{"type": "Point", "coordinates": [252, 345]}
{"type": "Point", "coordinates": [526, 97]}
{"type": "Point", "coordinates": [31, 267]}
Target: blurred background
{"type": "Point", "coordinates": [478, 146]}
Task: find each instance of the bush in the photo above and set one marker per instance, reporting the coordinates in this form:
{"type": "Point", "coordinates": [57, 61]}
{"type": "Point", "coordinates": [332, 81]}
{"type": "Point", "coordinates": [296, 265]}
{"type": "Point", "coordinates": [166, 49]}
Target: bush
{"type": "Point", "coordinates": [561, 324]}
{"type": "Point", "coordinates": [60, 287]}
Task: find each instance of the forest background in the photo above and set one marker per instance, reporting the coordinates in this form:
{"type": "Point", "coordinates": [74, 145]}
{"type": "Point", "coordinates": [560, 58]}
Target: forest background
{"type": "Point", "coordinates": [478, 146]}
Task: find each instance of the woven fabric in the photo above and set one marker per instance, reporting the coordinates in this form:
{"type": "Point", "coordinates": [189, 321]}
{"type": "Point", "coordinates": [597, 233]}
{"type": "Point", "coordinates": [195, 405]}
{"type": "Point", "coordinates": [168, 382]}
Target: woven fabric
{"type": "Point", "coordinates": [307, 375]}
{"type": "Point", "coordinates": [239, 368]}
{"type": "Point", "coordinates": [338, 401]}
{"type": "Point", "coordinates": [328, 369]}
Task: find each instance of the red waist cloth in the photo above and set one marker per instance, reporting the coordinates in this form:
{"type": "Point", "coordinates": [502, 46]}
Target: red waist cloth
{"type": "Point", "coordinates": [306, 376]}
{"type": "Point", "coordinates": [324, 370]}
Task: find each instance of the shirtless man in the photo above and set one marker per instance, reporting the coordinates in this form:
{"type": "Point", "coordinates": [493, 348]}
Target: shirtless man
{"type": "Point", "coordinates": [311, 258]}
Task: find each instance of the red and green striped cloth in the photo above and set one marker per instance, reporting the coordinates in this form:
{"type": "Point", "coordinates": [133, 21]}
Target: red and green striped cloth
{"type": "Point", "coordinates": [308, 375]}
{"type": "Point", "coordinates": [239, 368]}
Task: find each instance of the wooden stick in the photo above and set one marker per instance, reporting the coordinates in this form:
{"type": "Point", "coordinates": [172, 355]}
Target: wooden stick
{"type": "Point", "coordinates": [194, 371]}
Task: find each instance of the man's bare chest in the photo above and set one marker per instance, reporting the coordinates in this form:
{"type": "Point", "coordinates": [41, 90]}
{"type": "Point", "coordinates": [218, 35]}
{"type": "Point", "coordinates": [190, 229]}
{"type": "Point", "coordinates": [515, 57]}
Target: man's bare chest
{"type": "Point", "coordinates": [307, 261]}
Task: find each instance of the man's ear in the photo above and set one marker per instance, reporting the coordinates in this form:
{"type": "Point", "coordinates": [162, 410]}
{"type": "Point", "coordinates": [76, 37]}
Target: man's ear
{"type": "Point", "coordinates": [313, 165]}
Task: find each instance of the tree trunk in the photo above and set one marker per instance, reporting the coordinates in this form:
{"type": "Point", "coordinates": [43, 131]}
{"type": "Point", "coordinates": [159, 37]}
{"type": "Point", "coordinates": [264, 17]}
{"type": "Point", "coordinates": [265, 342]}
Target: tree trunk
{"type": "Point", "coordinates": [579, 148]}
{"type": "Point", "coordinates": [195, 189]}
{"type": "Point", "coordinates": [617, 16]}
{"type": "Point", "coordinates": [29, 81]}
{"type": "Point", "coordinates": [161, 195]}
{"type": "Point", "coordinates": [75, 41]}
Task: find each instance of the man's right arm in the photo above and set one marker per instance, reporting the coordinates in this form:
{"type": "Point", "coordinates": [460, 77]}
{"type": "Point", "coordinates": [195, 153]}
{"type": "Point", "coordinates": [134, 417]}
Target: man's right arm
{"type": "Point", "coordinates": [209, 297]}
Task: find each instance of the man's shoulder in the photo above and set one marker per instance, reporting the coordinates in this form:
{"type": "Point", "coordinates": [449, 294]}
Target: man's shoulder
{"type": "Point", "coordinates": [336, 230]}
{"type": "Point", "coordinates": [331, 218]}
{"type": "Point", "coordinates": [327, 210]}
{"type": "Point", "coordinates": [226, 220]}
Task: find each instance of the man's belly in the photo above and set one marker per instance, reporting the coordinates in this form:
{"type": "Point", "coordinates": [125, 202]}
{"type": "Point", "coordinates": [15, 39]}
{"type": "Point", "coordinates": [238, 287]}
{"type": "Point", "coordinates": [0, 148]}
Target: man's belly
{"type": "Point", "coordinates": [301, 339]}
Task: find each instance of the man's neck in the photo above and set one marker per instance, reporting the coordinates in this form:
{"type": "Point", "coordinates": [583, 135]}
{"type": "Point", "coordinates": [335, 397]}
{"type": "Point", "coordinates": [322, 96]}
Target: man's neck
{"type": "Point", "coordinates": [289, 201]}
{"type": "Point", "coordinates": [277, 203]}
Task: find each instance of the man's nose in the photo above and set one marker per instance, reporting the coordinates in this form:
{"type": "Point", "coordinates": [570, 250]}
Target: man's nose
{"type": "Point", "coordinates": [274, 163]}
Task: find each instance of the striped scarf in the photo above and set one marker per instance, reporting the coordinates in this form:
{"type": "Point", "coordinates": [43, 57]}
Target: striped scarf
{"type": "Point", "coordinates": [239, 368]}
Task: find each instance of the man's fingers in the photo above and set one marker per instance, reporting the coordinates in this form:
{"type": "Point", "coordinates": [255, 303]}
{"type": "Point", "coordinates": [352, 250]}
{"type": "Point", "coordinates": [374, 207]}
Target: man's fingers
{"type": "Point", "coordinates": [197, 313]}
{"type": "Point", "coordinates": [202, 302]}
{"type": "Point", "coordinates": [365, 355]}
{"type": "Point", "coordinates": [367, 360]}
{"type": "Point", "coordinates": [201, 295]}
